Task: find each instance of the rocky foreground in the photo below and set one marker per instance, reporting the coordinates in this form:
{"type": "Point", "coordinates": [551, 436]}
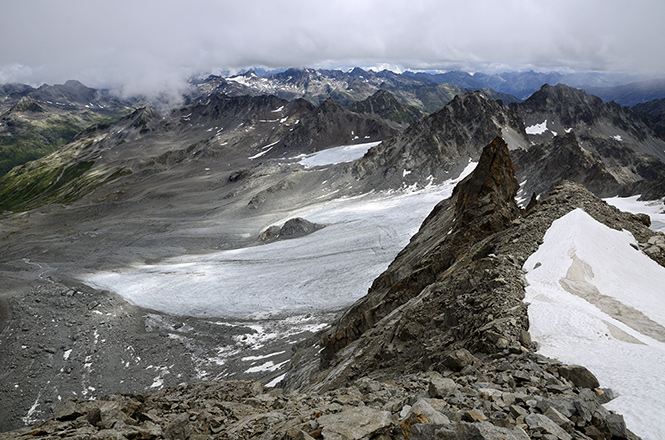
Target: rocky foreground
{"type": "Point", "coordinates": [438, 349]}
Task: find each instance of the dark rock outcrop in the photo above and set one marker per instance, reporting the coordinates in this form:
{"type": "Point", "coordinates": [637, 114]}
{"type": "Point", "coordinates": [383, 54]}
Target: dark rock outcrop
{"type": "Point", "coordinates": [293, 228]}
{"type": "Point", "coordinates": [385, 105]}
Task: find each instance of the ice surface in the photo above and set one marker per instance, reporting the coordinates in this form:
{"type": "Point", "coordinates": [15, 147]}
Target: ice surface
{"type": "Point", "coordinates": [598, 302]}
{"type": "Point", "coordinates": [538, 128]}
{"type": "Point", "coordinates": [345, 153]}
{"type": "Point", "coordinates": [655, 209]}
{"type": "Point", "coordinates": [326, 270]}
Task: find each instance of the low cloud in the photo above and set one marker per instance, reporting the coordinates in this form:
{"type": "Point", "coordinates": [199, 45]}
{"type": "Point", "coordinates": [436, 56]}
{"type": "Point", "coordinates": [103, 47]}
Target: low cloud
{"type": "Point", "coordinates": [152, 47]}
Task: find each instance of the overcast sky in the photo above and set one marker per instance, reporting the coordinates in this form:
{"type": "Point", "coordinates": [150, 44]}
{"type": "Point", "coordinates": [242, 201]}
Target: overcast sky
{"type": "Point", "coordinates": [144, 46]}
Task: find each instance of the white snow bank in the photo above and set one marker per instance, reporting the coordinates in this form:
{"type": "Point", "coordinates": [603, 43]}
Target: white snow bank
{"type": "Point", "coordinates": [326, 270]}
{"type": "Point", "coordinates": [345, 153]}
{"type": "Point", "coordinates": [275, 381]}
{"type": "Point", "coordinates": [268, 366]}
{"type": "Point", "coordinates": [537, 128]}
{"type": "Point", "coordinates": [598, 302]}
{"type": "Point", "coordinates": [655, 209]}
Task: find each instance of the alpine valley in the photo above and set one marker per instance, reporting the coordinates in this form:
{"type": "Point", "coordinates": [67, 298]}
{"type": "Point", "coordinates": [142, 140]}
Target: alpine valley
{"type": "Point", "coordinates": [335, 255]}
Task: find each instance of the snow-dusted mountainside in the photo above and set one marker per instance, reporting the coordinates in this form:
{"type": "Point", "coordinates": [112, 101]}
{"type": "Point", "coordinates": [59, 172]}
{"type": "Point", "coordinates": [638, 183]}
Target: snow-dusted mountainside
{"type": "Point", "coordinates": [348, 88]}
{"type": "Point", "coordinates": [161, 233]}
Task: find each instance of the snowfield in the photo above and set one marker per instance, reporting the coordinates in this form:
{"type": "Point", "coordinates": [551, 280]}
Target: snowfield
{"type": "Point", "coordinates": [329, 156]}
{"type": "Point", "coordinates": [655, 209]}
{"type": "Point", "coordinates": [326, 270]}
{"type": "Point", "coordinates": [598, 302]}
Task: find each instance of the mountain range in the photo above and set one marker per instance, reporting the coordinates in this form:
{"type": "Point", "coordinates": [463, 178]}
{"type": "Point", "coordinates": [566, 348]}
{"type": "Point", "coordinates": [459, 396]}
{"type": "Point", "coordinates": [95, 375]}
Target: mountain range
{"type": "Point", "coordinates": [318, 204]}
{"type": "Point", "coordinates": [35, 122]}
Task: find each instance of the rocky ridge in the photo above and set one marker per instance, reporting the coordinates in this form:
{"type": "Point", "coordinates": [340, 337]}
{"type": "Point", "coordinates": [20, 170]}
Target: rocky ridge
{"type": "Point", "coordinates": [384, 104]}
{"type": "Point", "coordinates": [451, 360]}
{"type": "Point", "coordinates": [440, 145]}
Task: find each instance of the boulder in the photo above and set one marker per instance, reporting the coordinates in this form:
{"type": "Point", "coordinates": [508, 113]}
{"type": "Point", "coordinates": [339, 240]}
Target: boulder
{"type": "Point", "coordinates": [458, 359]}
{"type": "Point", "coordinates": [441, 386]}
{"type": "Point", "coordinates": [465, 431]}
{"type": "Point", "coordinates": [354, 423]}
{"type": "Point", "coordinates": [543, 424]}
{"type": "Point", "coordinates": [579, 375]}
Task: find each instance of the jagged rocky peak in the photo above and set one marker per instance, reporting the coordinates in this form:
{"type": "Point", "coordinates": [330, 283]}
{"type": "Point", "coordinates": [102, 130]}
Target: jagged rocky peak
{"type": "Point", "coordinates": [492, 182]}
{"type": "Point", "coordinates": [439, 146]}
{"type": "Point", "coordinates": [384, 104]}
{"type": "Point", "coordinates": [567, 108]}
{"type": "Point", "coordinates": [546, 165]}
{"type": "Point", "coordinates": [481, 205]}
{"type": "Point", "coordinates": [225, 107]}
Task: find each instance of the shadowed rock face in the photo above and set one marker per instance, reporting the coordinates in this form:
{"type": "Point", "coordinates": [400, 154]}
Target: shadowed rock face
{"type": "Point", "coordinates": [486, 198]}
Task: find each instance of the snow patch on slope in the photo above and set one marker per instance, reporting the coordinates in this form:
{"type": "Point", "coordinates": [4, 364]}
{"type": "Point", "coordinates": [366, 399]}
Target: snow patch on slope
{"type": "Point", "coordinates": [537, 128]}
{"type": "Point", "coordinates": [598, 302]}
{"type": "Point", "coordinates": [655, 209]}
{"type": "Point", "coordinates": [344, 153]}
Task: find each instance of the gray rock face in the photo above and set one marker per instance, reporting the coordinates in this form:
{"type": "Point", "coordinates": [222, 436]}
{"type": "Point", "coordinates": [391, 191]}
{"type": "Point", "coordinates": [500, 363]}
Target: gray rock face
{"type": "Point", "coordinates": [439, 146]}
{"type": "Point", "coordinates": [441, 386]}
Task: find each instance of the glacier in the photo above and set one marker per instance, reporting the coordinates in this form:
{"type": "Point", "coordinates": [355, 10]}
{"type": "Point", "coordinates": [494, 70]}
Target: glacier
{"type": "Point", "coordinates": [324, 271]}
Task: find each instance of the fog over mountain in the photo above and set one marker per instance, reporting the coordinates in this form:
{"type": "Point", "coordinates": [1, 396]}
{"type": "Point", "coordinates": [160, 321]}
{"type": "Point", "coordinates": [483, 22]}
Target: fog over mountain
{"type": "Point", "coordinates": [152, 47]}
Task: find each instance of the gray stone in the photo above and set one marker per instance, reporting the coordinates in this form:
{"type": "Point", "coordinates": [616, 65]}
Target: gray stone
{"type": "Point", "coordinates": [558, 418]}
{"type": "Point", "coordinates": [301, 435]}
{"type": "Point", "coordinates": [434, 432]}
{"type": "Point", "coordinates": [543, 424]}
{"type": "Point", "coordinates": [354, 423]}
{"type": "Point", "coordinates": [297, 227]}
{"type": "Point", "coordinates": [441, 386]}
{"type": "Point", "coordinates": [422, 410]}
{"type": "Point", "coordinates": [458, 359]}
{"type": "Point", "coordinates": [178, 428]}
{"type": "Point", "coordinates": [579, 375]}
{"type": "Point", "coordinates": [564, 406]}
{"type": "Point", "coordinates": [487, 431]}
{"type": "Point", "coordinates": [474, 415]}
{"type": "Point", "coordinates": [604, 395]}
{"type": "Point", "coordinates": [617, 426]}
{"type": "Point", "coordinates": [94, 416]}
{"type": "Point", "coordinates": [68, 410]}
{"type": "Point", "coordinates": [466, 431]}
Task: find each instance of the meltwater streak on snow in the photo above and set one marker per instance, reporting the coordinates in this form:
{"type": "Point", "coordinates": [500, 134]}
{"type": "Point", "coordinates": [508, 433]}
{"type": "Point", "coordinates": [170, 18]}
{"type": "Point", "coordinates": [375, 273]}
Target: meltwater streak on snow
{"type": "Point", "coordinates": [323, 271]}
{"type": "Point", "coordinates": [655, 209]}
{"type": "Point", "coordinates": [345, 153]}
{"type": "Point", "coordinates": [592, 261]}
